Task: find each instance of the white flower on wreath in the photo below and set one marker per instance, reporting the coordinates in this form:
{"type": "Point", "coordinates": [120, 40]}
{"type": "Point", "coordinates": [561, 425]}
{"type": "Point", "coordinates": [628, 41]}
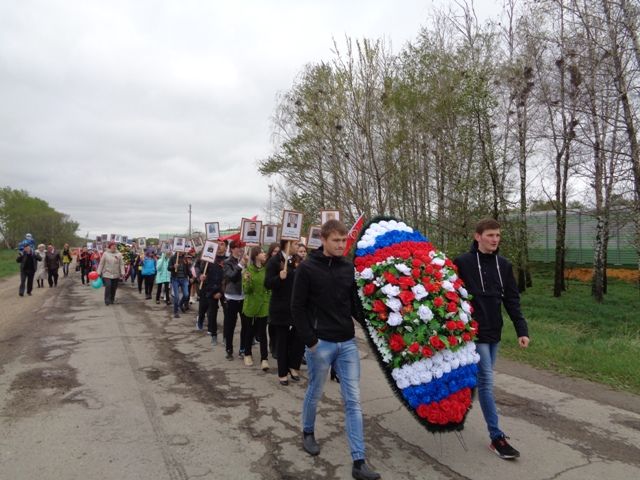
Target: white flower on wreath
{"type": "Point", "coordinates": [463, 292]}
{"type": "Point", "coordinates": [367, 274]}
{"type": "Point", "coordinates": [419, 291]}
{"type": "Point", "coordinates": [394, 319]}
{"type": "Point", "coordinates": [393, 303]}
{"type": "Point", "coordinates": [438, 261]}
{"type": "Point", "coordinates": [425, 313]}
{"type": "Point", "coordinates": [464, 317]}
{"type": "Point", "coordinates": [466, 307]}
{"type": "Point", "coordinates": [391, 290]}
{"type": "Point", "coordinates": [403, 268]}
{"type": "Point", "coordinates": [448, 286]}
{"type": "Point", "coordinates": [453, 278]}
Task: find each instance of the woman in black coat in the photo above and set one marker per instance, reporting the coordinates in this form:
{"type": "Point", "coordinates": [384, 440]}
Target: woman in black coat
{"type": "Point", "coordinates": [289, 347]}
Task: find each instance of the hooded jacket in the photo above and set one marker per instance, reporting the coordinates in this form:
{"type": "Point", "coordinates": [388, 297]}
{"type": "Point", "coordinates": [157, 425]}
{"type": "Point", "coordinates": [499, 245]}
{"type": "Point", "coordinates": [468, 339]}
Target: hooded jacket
{"type": "Point", "coordinates": [489, 278]}
{"type": "Point", "coordinates": [256, 296]}
{"type": "Point", "coordinates": [324, 299]}
{"type": "Point", "coordinates": [162, 274]}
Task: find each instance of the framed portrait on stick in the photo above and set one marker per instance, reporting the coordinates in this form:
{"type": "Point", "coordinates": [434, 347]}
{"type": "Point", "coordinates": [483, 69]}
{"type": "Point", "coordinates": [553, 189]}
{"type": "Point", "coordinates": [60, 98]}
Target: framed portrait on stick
{"type": "Point", "coordinates": [269, 234]}
{"type": "Point", "coordinates": [165, 247]}
{"type": "Point", "coordinates": [326, 215]}
{"type": "Point", "coordinates": [209, 251]}
{"type": "Point", "coordinates": [99, 247]}
{"type": "Point", "coordinates": [291, 225]}
{"type": "Point", "coordinates": [142, 243]}
{"type": "Point", "coordinates": [179, 244]}
{"type": "Point", "coordinates": [197, 243]}
{"type": "Point", "coordinates": [314, 237]}
{"type": "Point", "coordinates": [250, 231]}
{"type": "Point", "coordinates": [212, 230]}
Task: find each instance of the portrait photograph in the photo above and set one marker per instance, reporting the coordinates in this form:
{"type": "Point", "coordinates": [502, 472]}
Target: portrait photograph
{"type": "Point", "coordinates": [212, 230]}
{"type": "Point", "coordinates": [291, 225]}
{"type": "Point", "coordinates": [250, 231]}
{"type": "Point", "coordinates": [142, 242]}
{"type": "Point", "coordinates": [90, 245]}
{"type": "Point", "coordinates": [209, 251]}
{"type": "Point", "coordinates": [179, 244]}
{"type": "Point", "coordinates": [269, 234]}
{"type": "Point", "coordinates": [105, 237]}
{"type": "Point", "coordinates": [112, 237]}
{"type": "Point", "coordinates": [165, 247]}
{"type": "Point", "coordinates": [125, 239]}
{"type": "Point", "coordinates": [99, 247]}
{"type": "Point", "coordinates": [314, 237]}
{"type": "Point", "coordinates": [197, 243]}
{"type": "Point", "coordinates": [326, 215]}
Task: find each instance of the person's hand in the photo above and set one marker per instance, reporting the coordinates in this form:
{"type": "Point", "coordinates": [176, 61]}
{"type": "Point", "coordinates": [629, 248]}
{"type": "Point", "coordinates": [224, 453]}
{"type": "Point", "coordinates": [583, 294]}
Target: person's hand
{"type": "Point", "coordinates": [202, 277]}
{"type": "Point", "coordinates": [217, 296]}
{"type": "Point", "coordinates": [283, 275]}
{"type": "Point", "coordinates": [523, 342]}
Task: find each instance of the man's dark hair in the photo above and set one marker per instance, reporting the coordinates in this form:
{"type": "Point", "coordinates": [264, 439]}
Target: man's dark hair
{"type": "Point", "coordinates": [331, 226]}
{"type": "Point", "coordinates": [487, 224]}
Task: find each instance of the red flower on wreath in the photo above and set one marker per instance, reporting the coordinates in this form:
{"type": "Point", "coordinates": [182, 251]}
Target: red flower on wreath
{"type": "Point", "coordinates": [452, 307]}
{"type": "Point", "coordinates": [414, 347]}
{"type": "Point", "coordinates": [406, 296]}
{"type": "Point", "coordinates": [453, 296]}
{"type": "Point", "coordinates": [379, 306]}
{"type": "Point", "coordinates": [438, 302]}
{"type": "Point", "coordinates": [450, 325]}
{"type": "Point", "coordinates": [396, 342]}
{"type": "Point", "coordinates": [437, 343]}
{"type": "Point", "coordinates": [427, 352]}
{"type": "Point", "coordinates": [406, 282]}
{"type": "Point", "coordinates": [369, 289]}
{"type": "Point", "coordinates": [415, 272]}
{"type": "Point", "coordinates": [453, 340]}
{"type": "Point", "coordinates": [390, 277]}
{"type": "Point", "coordinates": [459, 325]}
{"type": "Point", "coordinates": [466, 337]}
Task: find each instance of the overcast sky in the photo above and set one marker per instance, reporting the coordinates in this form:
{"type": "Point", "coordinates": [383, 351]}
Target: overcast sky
{"type": "Point", "coordinates": [122, 113]}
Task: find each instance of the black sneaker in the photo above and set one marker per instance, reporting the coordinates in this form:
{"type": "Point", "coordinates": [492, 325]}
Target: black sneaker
{"type": "Point", "coordinates": [176, 315]}
{"type": "Point", "coordinates": [199, 325]}
{"type": "Point", "coordinates": [502, 448]}
{"type": "Point", "coordinates": [363, 472]}
{"type": "Point", "coordinates": [214, 340]}
{"type": "Point", "coordinates": [229, 355]}
{"type": "Point", "coordinates": [309, 444]}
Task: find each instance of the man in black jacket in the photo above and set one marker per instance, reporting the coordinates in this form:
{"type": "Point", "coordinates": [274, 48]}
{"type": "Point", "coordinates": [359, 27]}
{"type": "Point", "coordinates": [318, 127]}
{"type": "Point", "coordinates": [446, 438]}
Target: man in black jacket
{"type": "Point", "coordinates": [323, 304]}
{"type": "Point", "coordinates": [489, 279]}
{"type": "Point", "coordinates": [211, 292]}
{"type": "Point", "coordinates": [28, 261]}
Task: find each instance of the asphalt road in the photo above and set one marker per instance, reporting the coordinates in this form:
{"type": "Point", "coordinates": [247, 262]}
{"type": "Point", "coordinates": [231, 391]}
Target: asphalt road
{"type": "Point", "coordinates": [128, 392]}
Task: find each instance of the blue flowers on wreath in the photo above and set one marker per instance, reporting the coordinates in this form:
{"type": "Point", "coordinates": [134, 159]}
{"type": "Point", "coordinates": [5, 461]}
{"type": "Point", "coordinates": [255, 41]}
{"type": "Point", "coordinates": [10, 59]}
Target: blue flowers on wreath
{"type": "Point", "coordinates": [391, 238]}
{"type": "Point", "coordinates": [441, 388]}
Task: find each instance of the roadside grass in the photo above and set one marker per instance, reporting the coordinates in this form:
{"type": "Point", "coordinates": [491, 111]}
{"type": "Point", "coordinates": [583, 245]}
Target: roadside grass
{"type": "Point", "coordinates": [576, 336]}
{"type": "Point", "coordinates": [8, 264]}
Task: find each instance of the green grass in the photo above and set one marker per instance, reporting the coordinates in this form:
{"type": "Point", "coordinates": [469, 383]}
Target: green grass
{"type": "Point", "coordinates": [8, 264]}
{"type": "Point", "coordinates": [576, 336]}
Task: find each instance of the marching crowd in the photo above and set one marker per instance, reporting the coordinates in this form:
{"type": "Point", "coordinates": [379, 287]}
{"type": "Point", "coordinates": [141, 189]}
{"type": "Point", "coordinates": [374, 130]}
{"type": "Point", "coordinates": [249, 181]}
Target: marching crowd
{"type": "Point", "coordinates": [299, 307]}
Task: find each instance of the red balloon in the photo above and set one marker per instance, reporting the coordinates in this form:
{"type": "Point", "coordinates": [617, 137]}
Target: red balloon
{"type": "Point", "coordinates": [93, 275]}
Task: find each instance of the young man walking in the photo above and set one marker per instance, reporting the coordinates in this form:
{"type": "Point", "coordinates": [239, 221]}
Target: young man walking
{"type": "Point", "coordinates": [324, 303]}
{"type": "Point", "coordinates": [211, 294]}
{"type": "Point", "coordinates": [234, 297]}
{"type": "Point", "coordinates": [489, 279]}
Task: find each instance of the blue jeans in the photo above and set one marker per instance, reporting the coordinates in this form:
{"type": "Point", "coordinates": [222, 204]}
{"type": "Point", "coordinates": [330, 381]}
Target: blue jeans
{"type": "Point", "coordinates": [178, 284]}
{"type": "Point", "coordinates": [344, 356]}
{"type": "Point", "coordinates": [488, 353]}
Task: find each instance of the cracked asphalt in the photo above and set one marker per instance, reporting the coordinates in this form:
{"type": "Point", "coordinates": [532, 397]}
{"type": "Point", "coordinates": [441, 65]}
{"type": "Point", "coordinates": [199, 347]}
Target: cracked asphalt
{"type": "Point", "coordinates": [128, 392]}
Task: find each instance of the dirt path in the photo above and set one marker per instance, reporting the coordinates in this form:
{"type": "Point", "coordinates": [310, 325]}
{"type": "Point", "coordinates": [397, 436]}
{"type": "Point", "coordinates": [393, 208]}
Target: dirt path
{"type": "Point", "coordinates": [128, 392]}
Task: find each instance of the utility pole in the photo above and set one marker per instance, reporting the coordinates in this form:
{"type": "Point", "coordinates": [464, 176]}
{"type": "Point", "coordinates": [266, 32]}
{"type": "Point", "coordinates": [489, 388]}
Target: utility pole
{"type": "Point", "coordinates": [189, 220]}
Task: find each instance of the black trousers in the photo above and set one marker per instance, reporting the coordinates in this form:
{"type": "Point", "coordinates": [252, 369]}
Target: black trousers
{"type": "Point", "coordinates": [140, 279]}
{"type": "Point", "coordinates": [234, 308]}
{"type": "Point", "coordinates": [110, 287]}
{"type": "Point", "coordinates": [255, 327]}
{"type": "Point", "coordinates": [209, 306]}
{"type": "Point", "coordinates": [167, 289]}
{"type": "Point", "coordinates": [26, 277]}
{"type": "Point", "coordinates": [84, 273]}
{"type": "Point", "coordinates": [53, 277]}
{"type": "Point", "coordinates": [289, 349]}
{"type": "Point", "coordinates": [148, 284]}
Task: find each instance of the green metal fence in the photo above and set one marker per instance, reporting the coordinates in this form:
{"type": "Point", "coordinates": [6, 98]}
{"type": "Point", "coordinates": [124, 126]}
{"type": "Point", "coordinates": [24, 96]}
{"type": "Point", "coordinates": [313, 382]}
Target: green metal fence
{"type": "Point", "coordinates": [580, 238]}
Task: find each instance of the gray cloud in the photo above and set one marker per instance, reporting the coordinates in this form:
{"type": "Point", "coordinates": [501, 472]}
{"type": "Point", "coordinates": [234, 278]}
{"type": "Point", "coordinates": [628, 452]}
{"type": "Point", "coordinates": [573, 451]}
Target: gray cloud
{"type": "Point", "coordinates": [121, 114]}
